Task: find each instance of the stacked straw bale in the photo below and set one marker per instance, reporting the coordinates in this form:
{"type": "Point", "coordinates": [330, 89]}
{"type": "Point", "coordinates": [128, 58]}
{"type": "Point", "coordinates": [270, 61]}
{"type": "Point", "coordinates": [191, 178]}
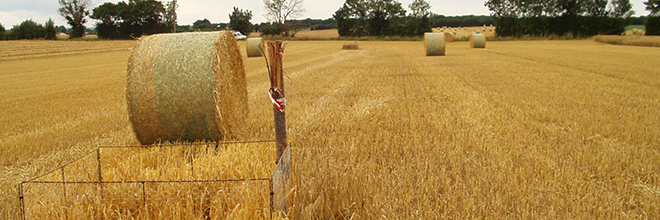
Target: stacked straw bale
{"type": "Point", "coordinates": [254, 47]}
{"type": "Point", "coordinates": [434, 43]}
{"type": "Point", "coordinates": [478, 40]}
{"type": "Point", "coordinates": [187, 87]}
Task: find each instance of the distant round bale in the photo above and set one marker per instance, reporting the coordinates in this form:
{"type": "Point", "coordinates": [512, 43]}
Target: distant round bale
{"type": "Point", "coordinates": [254, 47]}
{"type": "Point", "coordinates": [478, 40]}
{"type": "Point", "coordinates": [350, 46]}
{"type": "Point", "coordinates": [449, 37]}
{"type": "Point", "coordinates": [186, 87]}
{"type": "Point", "coordinates": [434, 43]}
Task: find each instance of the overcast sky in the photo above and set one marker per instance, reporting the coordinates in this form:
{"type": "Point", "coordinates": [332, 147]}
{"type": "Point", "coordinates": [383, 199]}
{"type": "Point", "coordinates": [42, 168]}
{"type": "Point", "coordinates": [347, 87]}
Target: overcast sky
{"type": "Point", "coordinates": [13, 12]}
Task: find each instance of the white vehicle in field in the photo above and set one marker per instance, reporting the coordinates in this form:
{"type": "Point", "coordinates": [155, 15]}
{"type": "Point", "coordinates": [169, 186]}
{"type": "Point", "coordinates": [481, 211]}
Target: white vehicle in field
{"type": "Point", "coordinates": [239, 36]}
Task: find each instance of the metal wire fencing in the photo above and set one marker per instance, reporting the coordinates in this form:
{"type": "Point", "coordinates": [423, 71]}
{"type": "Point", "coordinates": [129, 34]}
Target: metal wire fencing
{"type": "Point", "coordinates": [179, 181]}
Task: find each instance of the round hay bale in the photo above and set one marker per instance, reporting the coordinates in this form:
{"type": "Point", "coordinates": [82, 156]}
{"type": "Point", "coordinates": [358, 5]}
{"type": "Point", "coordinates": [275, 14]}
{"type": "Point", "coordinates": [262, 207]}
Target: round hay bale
{"type": "Point", "coordinates": [478, 40]}
{"type": "Point", "coordinates": [254, 47]}
{"type": "Point", "coordinates": [434, 43]}
{"type": "Point", "coordinates": [187, 87]}
{"type": "Point", "coordinates": [449, 37]}
{"type": "Point", "coordinates": [350, 46]}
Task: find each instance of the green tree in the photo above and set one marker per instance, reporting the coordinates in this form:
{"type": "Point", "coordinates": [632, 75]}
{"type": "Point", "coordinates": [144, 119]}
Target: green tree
{"type": "Point", "coordinates": [370, 17]}
{"type": "Point", "coordinates": [597, 8]}
{"type": "Point", "coordinates": [653, 20]}
{"type": "Point", "coordinates": [75, 11]}
{"type": "Point", "coordinates": [653, 6]}
{"type": "Point", "coordinates": [352, 18]}
{"type": "Point", "coordinates": [279, 11]}
{"type": "Point", "coordinates": [141, 17]}
{"type": "Point", "coordinates": [580, 18]}
{"type": "Point", "coordinates": [621, 9]}
{"type": "Point", "coordinates": [240, 20]}
{"type": "Point", "coordinates": [28, 29]}
{"type": "Point", "coordinates": [204, 24]}
{"type": "Point", "coordinates": [2, 32]}
{"type": "Point", "coordinates": [108, 15]}
{"type": "Point", "coordinates": [60, 28]}
{"type": "Point", "coordinates": [170, 15]}
{"type": "Point", "coordinates": [384, 16]}
{"type": "Point", "coordinates": [419, 8]}
{"type": "Point", "coordinates": [49, 30]}
{"type": "Point", "coordinates": [137, 18]}
{"type": "Point", "coordinates": [420, 22]}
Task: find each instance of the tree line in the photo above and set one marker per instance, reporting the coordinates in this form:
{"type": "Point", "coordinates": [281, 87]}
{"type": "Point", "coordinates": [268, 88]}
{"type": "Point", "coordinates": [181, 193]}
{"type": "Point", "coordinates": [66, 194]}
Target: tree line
{"type": "Point", "coordinates": [30, 29]}
{"type": "Point", "coordinates": [133, 19]}
{"type": "Point", "coordinates": [359, 18]}
{"type": "Point", "coordinates": [580, 18]}
{"type": "Point", "coordinates": [653, 20]}
{"type": "Point", "coordinates": [123, 20]}
{"type": "Point", "coordinates": [461, 21]}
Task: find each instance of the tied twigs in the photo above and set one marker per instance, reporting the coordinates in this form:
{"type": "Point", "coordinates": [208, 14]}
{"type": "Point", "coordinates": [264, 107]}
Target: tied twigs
{"type": "Point", "coordinates": [274, 52]}
{"type": "Point", "coordinates": [281, 175]}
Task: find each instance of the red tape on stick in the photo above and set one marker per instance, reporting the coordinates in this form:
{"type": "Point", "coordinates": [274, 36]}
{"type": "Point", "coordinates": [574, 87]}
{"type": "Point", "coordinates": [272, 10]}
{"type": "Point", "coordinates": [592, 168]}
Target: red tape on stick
{"type": "Point", "coordinates": [278, 103]}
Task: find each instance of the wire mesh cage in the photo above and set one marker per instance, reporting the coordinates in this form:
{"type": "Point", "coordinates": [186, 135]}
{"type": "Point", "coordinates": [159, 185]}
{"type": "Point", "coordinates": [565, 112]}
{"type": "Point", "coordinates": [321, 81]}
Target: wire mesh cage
{"type": "Point", "coordinates": [178, 181]}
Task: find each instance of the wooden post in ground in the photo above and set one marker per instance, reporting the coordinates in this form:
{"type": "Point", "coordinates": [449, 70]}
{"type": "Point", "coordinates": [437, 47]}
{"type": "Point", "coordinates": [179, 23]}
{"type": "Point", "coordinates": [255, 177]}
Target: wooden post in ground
{"type": "Point", "coordinates": [276, 51]}
{"type": "Point", "coordinates": [282, 172]}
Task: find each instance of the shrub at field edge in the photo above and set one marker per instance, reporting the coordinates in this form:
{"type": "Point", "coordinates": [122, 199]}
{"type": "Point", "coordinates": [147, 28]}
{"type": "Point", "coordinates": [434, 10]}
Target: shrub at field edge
{"type": "Point", "coordinates": [653, 25]}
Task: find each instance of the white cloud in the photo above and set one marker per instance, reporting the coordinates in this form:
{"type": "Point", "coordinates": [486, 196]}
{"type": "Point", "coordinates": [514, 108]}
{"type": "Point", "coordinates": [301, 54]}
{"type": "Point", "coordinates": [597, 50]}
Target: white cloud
{"type": "Point", "coordinates": [11, 18]}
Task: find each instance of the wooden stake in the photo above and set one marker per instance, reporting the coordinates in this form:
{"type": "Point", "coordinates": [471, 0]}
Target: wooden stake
{"type": "Point", "coordinates": [277, 85]}
{"type": "Point", "coordinates": [281, 175]}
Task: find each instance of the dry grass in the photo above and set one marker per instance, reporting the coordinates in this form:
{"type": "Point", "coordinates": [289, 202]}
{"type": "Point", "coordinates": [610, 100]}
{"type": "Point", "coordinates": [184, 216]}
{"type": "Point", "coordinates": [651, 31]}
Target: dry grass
{"type": "Point", "coordinates": [647, 41]}
{"type": "Point", "coordinates": [320, 34]}
{"type": "Point", "coordinates": [39, 48]}
{"type": "Point", "coordinates": [187, 178]}
{"type": "Point", "coordinates": [544, 129]}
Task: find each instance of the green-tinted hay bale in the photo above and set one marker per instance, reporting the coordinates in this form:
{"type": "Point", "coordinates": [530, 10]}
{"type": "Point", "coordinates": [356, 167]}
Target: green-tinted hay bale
{"type": "Point", "coordinates": [478, 40]}
{"type": "Point", "coordinates": [434, 43]}
{"type": "Point", "coordinates": [254, 47]}
{"type": "Point", "coordinates": [186, 87]}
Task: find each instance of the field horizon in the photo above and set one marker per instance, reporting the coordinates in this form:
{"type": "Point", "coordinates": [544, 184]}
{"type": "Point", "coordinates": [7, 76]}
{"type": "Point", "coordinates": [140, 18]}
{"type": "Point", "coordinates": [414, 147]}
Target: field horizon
{"type": "Point", "coordinates": [563, 129]}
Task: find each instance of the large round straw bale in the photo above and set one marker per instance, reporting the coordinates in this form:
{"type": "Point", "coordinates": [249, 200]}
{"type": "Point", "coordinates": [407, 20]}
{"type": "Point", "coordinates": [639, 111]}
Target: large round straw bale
{"type": "Point", "coordinates": [254, 47]}
{"type": "Point", "coordinates": [186, 87]}
{"type": "Point", "coordinates": [434, 44]}
{"type": "Point", "coordinates": [478, 40]}
{"type": "Point", "coordinates": [449, 37]}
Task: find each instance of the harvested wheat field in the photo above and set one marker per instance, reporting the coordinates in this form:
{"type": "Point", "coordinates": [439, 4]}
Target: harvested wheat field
{"type": "Point", "coordinates": [521, 130]}
{"type": "Point", "coordinates": [648, 41]}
